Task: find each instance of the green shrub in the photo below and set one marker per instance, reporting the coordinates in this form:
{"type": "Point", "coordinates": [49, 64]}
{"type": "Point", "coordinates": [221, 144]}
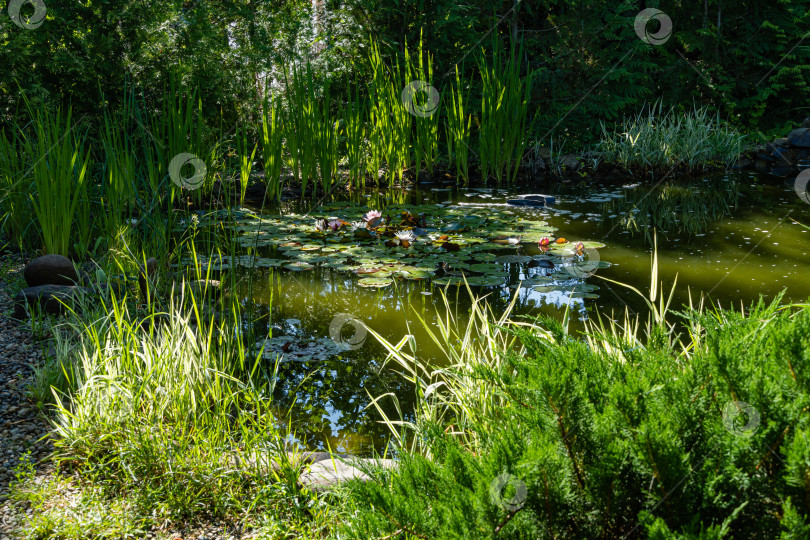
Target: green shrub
{"type": "Point", "coordinates": [607, 438]}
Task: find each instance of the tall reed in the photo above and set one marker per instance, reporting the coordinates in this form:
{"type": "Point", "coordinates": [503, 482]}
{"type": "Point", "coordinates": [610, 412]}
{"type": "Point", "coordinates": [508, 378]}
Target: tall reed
{"type": "Point", "coordinates": [426, 122]}
{"type": "Point", "coordinates": [121, 169]}
{"type": "Point", "coordinates": [458, 129]}
{"type": "Point", "coordinates": [504, 115]}
{"type": "Point", "coordinates": [15, 186]}
{"type": "Point", "coordinates": [454, 395]}
{"type": "Point", "coordinates": [326, 131]}
{"type": "Point", "coordinates": [246, 157]}
{"type": "Point", "coordinates": [354, 118]}
{"type": "Point", "coordinates": [656, 139]}
{"type": "Point", "coordinates": [272, 139]}
{"type": "Point", "coordinates": [391, 123]}
{"type": "Point", "coordinates": [299, 135]}
{"type": "Point", "coordinates": [61, 178]}
{"type": "Point", "coordinates": [177, 129]}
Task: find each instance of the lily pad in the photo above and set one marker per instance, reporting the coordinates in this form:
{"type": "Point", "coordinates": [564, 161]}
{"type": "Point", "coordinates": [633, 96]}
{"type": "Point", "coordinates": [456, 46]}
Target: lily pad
{"type": "Point", "coordinates": [375, 282]}
{"type": "Point", "coordinates": [485, 281]}
{"type": "Point", "coordinates": [298, 266]}
{"type": "Point", "coordinates": [512, 259]}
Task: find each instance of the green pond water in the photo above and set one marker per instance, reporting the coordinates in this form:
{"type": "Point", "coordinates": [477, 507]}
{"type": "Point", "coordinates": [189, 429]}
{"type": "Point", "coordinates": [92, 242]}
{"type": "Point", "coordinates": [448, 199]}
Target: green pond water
{"type": "Point", "coordinates": [731, 238]}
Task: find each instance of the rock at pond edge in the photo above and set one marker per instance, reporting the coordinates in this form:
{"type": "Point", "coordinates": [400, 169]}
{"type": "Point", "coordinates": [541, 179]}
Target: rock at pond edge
{"type": "Point", "coordinates": [49, 297]}
{"type": "Point", "coordinates": [50, 270]}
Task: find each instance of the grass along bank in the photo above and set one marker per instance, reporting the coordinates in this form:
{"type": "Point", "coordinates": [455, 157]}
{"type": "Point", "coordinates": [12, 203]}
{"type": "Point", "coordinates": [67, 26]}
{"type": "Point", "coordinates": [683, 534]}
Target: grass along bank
{"type": "Point", "coordinates": [688, 423]}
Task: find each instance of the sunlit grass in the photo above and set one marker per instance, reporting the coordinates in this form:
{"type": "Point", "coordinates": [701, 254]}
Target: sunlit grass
{"type": "Point", "coordinates": [656, 139]}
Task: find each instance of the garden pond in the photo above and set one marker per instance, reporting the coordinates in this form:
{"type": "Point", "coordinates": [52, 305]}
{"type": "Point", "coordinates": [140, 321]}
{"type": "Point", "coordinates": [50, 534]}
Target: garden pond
{"type": "Point", "coordinates": [382, 260]}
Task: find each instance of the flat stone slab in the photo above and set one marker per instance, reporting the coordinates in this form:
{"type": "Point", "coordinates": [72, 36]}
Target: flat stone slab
{"type": "Point", "coordinates": [327, 473]}
{"type": "Point", "coordinates": [320, 470]}
{"type": "Point", "coordinates": [532, 200]}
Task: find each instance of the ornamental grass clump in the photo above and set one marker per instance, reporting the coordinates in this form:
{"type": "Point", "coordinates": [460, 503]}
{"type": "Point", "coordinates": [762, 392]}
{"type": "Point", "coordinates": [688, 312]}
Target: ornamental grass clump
{"type": "Point", "coordinates": [172, 414]}
{"type": "Point", "coordinates": [655, 140]}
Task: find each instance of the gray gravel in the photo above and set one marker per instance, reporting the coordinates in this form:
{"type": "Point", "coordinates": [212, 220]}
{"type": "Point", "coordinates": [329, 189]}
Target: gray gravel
{"type": "Point", "coordinates": [22, 427]}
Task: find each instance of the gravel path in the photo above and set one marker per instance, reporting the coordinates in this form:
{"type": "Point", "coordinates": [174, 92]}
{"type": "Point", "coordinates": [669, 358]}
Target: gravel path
{"type": "Point", "coordinates": [21, 426]}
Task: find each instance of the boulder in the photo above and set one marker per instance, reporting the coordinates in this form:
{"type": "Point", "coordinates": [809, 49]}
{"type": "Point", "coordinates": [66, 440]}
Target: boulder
{"type": "Point", "coordinates": [49, 297]}
{"type": "Point", "coordinates": [799, 138]}
{"type": "Point", "coordinates": [50, 270]}
{"type": "Point", "coordinates": [570, 162]}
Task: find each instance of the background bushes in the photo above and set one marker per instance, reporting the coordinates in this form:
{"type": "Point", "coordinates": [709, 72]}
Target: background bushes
{"type": "Point", "coordinates": [740, 58]}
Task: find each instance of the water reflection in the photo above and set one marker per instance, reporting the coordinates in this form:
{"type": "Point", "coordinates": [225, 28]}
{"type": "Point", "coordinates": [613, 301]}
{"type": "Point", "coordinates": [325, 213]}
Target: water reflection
{"type": "Point", "coordinates": [746, 247]}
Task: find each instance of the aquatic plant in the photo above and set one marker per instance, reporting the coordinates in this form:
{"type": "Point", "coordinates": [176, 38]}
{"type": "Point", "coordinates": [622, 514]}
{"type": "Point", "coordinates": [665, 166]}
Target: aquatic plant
{"type": "Point", "coordinates": [426, 122]}
{"type": "Point", "coordinates": [300, 125]}
{"type": "Point", "coordinates": [354, 118]}
{"type": "Point", "coordinates": [504, 115]}
{"type": "Point", "coordinates": [327, 145]}
{"type": "Point", "coordinates": [121, 170]}
{"type": "Point", "coordinates": [15, 187]}
{"type": "Point", "coordinates": [272, 137]}
{"type": "Point", "coordinates": [60, 175]}
{"type": "Point", "coordinates": [458, 129]}
{"type": "Point", "coordinates": [655, 140]}
{"type": "Point", "coordinates": [391, 124]}
{"type": "Point", "coordinates": [245, 162]}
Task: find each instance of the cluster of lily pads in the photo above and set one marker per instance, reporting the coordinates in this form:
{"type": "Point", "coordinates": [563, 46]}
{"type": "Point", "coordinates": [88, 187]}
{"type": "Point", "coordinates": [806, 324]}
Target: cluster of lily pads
{"type": "Point", "coordinates": [443, 243]}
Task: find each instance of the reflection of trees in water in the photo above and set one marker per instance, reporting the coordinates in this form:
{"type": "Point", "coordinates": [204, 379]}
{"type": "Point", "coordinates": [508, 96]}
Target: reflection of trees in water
{"type": "Point", "coordinates": [314, 391]}
{"type": "Point", "coordinates": [674, 207]}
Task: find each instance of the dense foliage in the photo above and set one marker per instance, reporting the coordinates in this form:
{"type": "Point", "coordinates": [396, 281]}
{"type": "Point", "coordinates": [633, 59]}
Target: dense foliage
{"type": "Point", "coordinates": [742, 58]}
{"type": "Point", "coordinates": [616, 441]}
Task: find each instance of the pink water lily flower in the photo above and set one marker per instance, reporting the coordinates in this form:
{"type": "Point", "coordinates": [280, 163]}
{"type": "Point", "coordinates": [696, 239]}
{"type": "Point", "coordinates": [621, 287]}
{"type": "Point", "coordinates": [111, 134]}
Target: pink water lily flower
{"type": "Point", "coordinates": [544, 242]}
{"type": "Point", "coordinates": [372, 214]}
{"type": "Point", "coordinates": [335, 224]}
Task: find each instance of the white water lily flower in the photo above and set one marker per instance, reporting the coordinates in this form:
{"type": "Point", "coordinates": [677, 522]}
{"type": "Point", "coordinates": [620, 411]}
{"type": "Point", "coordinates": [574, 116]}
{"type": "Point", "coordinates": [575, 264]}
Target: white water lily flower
{"type": "Point", "coordinates": [405, 236]}
{"type": "Point", "coordinates": [359, 225]}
